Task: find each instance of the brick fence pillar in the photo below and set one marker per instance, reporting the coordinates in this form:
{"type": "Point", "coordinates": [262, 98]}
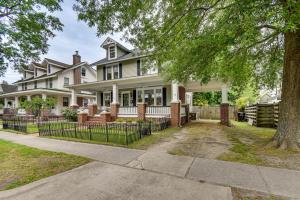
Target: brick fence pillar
{"type": "Point", "coordinates": [175, 114]}
{"type": "Point", "coordinates": [82, 117]}
{"type": "Point", "coordinates": [105, 117]}
{"type": "Point", "coordinates": [114, 110]}
{"type": "Point", "coordinates": [92, 109]}
{"type": "Point", "coordinates": [141, 107]}
{"type": "Point", "coordinates": [224, 114]}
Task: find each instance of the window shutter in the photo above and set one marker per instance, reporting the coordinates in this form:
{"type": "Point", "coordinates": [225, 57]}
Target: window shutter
{"type": "Point", "coordinates": [101, 99]}
{"type": "Point", "coordinates": [111, 97]}
{"type": "Point", "coordinates": [164, 96]}
{"type": "Point", "coordinates": [138, 67]}
{"type": "Point", "coordinates": [134, 97]}
{"type": "Point", "coordinates": [120, 70]}
{"type": "Point", "coordinates": [104, 73]}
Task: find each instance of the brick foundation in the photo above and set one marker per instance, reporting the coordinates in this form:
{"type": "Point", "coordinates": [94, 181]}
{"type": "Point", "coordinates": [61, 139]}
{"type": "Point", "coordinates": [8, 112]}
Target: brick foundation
{"type": "Point", "coordinates": [224, 114]}
{"type": "Point", "coordinates": [92, 109]}
{"type": "Point", "coordinates": [114, 110]}
{"type": "Point", "coordinates": [102, 119]}
{"type": "Point", "coordinates": [175, 114]}
{"type": "Point", "coordinates": [141, 107]}
{"type": "Point", "coordinates": [82, 117]}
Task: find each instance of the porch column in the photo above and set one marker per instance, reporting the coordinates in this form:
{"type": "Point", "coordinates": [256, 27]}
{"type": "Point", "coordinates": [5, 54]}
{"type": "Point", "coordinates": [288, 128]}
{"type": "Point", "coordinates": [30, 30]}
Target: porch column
{"type": "Point", "coordinates": [16, 101]}
{"type": "Point", "coordinates": [175, 105]}
{"type": "Point", "coordinates": [224, 106]}
{"type": "Point", "coordinates": [73, 99]}
{"type": "Point", "coordinates": [5, 102]}
{"type": "Point", "coordinates": [115, 102]}
{"type": "Point", "coordinates": [44, 96]}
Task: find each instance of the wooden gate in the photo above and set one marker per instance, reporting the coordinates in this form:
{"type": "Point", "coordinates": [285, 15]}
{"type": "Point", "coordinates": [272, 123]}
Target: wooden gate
{"type": "Point", "coordinates": [212, 112]}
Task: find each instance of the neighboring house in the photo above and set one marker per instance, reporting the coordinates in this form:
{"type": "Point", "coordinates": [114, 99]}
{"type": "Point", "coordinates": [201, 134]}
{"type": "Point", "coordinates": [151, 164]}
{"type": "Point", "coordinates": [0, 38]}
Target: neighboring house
{"type": "Point", "coordinates": [126, 89]}
{"type": "Point", "coordinates": [7, 88]}
{"type": "Point", "coordinates": [51, 78]}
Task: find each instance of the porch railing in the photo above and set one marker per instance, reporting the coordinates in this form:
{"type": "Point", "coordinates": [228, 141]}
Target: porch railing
{"type": "Point", "coordinates": [182, 111]}
{"type": "Point", "coordinates": [158, 110]}
{"type": "Point", "coordinates": [132, 110]}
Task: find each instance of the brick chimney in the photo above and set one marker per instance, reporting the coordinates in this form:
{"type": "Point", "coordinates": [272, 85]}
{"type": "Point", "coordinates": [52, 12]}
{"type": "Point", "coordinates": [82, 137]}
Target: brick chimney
{"type": "Point", "coordinates": [76, 58]}
{"type": "Point", "coordinates": [77, 71]}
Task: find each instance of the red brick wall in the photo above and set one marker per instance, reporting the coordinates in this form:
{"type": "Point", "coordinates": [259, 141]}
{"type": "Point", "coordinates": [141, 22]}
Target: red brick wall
{"type": "Point", "coordinates": [114, 110]}
{"type": "Point", "coordinates": [82, 117]}
{"type": "Point", "coordinates": [92, 109]}
{"type": "Point", "coordinates": [181, 94]}
{"type": "Point", "coordinates": [77, 75]}
{"type": "Point", "coordinates": [175, 114]}
{"type": "Point", "coordinates": [141, 111]}
{"type": "Point", "coordinates": [224, 113]}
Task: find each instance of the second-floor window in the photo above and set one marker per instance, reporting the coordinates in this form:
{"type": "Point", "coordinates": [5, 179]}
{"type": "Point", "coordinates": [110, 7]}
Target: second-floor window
{"type": "Point", "coordinates": [35, 84]}
{"type": "Point", "coordinates": [49, 69]}
{"type": "Point", "coordinates": [112, 52]}
{"type": "Point", "coordinates": [66, 81]}
{"type": "Point", "coordinates": [112, 72]}
{"type": "Point", "coordinates": [49, 83]}
{"type": "Point", "coordinates": [24, 86]}
{"type": "Point", "coordinates": [83, 71]}
{"type": "Point", "coordinates": [35, 71]}
{"type": "Point", "coordinates": [108, 73]}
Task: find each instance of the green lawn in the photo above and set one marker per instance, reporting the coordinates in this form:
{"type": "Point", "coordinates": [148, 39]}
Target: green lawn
{"type": "Point", "coordinates": [250, 145]}
{"type": "Point", "coordinates": [21, 165]}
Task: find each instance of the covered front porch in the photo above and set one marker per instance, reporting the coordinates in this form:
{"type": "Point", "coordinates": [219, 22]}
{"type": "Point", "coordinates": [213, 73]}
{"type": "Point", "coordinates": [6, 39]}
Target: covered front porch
{"type": "Point", "coordinates": [145, 97]}
{"type": "Point", "coordinates": [13, 100]}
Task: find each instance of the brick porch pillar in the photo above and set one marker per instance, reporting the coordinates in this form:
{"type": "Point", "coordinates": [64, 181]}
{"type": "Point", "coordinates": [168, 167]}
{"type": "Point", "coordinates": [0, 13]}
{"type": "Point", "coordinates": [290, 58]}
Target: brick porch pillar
{"type": "Point", "coordinates": [225, 114]}
{"type": "Point", "coordinates": [175, 114]}
{"type": "Point", "coordinates": [82, 117]}
{"type": "Point", "coordinates": [92, 109]}
{"type": "Point", "coordinates": [141, 110]}
{"type": "Point", "coordinates": [114, 110]}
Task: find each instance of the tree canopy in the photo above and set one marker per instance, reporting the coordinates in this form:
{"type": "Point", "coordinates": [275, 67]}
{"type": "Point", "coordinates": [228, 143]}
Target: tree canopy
{"type": "Point", "coordinates": [231, 40]}
{"type": "Point", "coordinates": [25, 27]}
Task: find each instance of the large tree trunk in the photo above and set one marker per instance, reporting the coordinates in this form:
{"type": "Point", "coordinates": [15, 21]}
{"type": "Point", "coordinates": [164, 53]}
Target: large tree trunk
{"type": "Point", "coordinates": [288, 132]}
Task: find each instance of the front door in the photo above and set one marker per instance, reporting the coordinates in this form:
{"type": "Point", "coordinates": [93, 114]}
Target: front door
{"type": "Point", "coordinates": [126, 99]}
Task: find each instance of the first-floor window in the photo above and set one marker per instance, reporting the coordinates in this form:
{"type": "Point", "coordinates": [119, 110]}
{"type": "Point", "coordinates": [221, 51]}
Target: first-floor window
{"type": "Point", "coordinates": [85, 102]}
{"type": "Point", "coordinates": [151, 96]}
{"type": "Point", "coordinates": [65, 101]}
{"type": "Point", "coordinates": [107, 98]}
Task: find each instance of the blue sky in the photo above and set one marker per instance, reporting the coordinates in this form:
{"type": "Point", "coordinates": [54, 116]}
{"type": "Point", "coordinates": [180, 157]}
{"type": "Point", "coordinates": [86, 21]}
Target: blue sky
{"type": "Point", "coordinates": [75, 36]}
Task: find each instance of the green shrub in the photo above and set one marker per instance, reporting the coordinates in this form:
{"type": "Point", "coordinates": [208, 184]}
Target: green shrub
{"type": "Point", "coordinates": [70, 114]}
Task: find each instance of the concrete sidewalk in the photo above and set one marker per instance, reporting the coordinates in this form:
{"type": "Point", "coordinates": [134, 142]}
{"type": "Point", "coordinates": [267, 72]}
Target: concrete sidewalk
{"type": "Point", "coordinates": [274, 181]}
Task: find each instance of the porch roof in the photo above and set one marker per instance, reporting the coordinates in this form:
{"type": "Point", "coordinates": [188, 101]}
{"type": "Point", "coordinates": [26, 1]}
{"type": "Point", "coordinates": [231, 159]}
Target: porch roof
{"type": "Point", "coordinates": [46, 91]}
{"type": "Point", "coordinates": [213, 85]}
{"type": "Point", "coordinates": [129, 82]}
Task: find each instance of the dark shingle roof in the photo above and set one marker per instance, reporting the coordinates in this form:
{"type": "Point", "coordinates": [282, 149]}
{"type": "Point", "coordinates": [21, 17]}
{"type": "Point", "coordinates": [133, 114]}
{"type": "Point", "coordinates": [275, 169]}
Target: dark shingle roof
{"type": "Point", "coordinates": [128, 56]}
{"type": "Point", "coordinates": [7, 88]}
{"type": "Point", "coordinates": [57, 63]}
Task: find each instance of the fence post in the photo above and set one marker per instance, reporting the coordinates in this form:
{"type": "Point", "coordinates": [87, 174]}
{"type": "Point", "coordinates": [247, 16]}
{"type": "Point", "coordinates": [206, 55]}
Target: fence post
{"type": "Point", "coordinates": [75, 130]}
{"type": "Point", "coordinates": [62, 129]}
{"type": "Point", "coordinates": [90, 132]}
{"type": "Point", "coordinates": [139, 129]}
{"type": "Point", "coordinates": [150, 127]}
{"type": "Point", "coordinates": [106, 132]}
{"type": "Point", "coordinates": [126, 136]}
{"type": "Point", "coordinates": [38, 125]}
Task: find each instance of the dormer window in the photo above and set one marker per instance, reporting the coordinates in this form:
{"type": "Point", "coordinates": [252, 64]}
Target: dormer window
{"type": "Point", "coordinates": [112, 52]}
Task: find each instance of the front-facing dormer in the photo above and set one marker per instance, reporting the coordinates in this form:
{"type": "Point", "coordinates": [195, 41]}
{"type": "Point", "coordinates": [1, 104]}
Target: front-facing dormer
{"type": "Point", "coordinates": [114, 49]}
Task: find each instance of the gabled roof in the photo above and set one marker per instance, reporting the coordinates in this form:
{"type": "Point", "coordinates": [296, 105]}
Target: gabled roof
{"type": "Point", "coordinates": [39, 65]}
{"type": "Point", "coordinates": [133, 54]}
{"type": "Point", "coordinates": [109, 41]}
{"type": "Point", "coordinates": [59, 64]}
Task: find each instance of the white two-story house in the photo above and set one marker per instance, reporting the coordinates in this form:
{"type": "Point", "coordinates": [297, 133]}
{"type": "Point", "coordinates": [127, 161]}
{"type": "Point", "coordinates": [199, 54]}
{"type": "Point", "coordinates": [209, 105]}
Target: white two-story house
{"type": "Point", "coordinates": [51, 78]}
{"type": "Point", "coordinates": [125, 81]}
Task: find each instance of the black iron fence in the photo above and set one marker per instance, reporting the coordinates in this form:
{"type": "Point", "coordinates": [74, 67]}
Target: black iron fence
{"type": "Point", "coordinates": [115, 132]}
{"type": "Point", "coordinates": [15, 123]}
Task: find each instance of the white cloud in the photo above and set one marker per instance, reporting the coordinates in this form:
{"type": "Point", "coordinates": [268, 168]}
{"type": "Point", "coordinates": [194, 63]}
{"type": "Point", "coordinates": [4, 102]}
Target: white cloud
{"type": "Point", "coordinates": [77, 35]}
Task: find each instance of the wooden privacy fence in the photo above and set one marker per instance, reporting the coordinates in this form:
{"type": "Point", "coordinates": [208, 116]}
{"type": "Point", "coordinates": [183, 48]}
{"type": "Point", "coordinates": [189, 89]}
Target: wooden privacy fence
{"type": "Point", "coordinates": [262, 115]}
{"type": "Point", "coordinates": [212, 112]}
